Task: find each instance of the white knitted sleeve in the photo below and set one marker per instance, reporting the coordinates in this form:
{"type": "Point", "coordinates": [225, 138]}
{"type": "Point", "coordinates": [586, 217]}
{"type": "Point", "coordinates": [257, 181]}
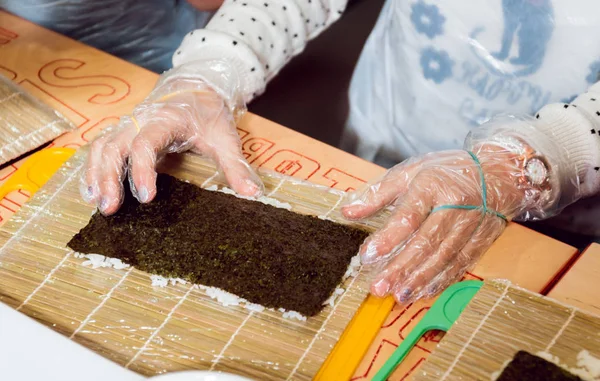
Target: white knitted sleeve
{"type": "Point", "coordinates": [258, 37]}
{"type": "Point", "coordinates": [575, 127]}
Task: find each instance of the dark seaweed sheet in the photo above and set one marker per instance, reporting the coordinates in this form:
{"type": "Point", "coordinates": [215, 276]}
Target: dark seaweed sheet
{"type": "Point", "coordinates": [525, 366]}
{"type": "Point", "coordinates": [264, 254]}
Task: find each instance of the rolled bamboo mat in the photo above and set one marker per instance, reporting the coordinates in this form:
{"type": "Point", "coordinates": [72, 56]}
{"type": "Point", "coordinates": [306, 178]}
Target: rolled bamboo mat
{"type": "Point", "coordinates": [151, 330]}
{"type": "Point", "coordinates": [25, 122]}
{"type": "Point", "coordinates": [503, 319]}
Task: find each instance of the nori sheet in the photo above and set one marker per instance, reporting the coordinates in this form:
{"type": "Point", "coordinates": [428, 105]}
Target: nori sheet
{"type": "Point", "coordinates": [267, 255]}
{"type": "Point", "coordinates": [525, 366]}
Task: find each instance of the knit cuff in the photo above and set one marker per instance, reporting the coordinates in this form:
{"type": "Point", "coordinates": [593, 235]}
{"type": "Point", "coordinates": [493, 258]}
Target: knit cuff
{"type": "Point", "coordinates": [206, 45]}
{"type": "Point", "coordinates": [577, 132]}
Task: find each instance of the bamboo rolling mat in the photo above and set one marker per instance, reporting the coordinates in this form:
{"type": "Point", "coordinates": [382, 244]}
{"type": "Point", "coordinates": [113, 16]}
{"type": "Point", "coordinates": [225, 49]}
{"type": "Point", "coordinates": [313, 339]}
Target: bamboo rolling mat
{"type": "Point", "coordinates": [25, 123]}
{"type": "Point", "coordinates": [118, 314]}
{"type": "Point", "coordinates": [503, 319]}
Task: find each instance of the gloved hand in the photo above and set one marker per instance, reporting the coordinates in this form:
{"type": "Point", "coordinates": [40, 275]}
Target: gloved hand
{"type": "Point", "coordinates": [184, 112]}
{"type": "Point", "coordinates": [427, 243]}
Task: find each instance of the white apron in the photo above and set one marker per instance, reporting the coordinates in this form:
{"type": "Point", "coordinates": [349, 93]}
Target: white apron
{"type": "Point", "coordinates": [432, 70]}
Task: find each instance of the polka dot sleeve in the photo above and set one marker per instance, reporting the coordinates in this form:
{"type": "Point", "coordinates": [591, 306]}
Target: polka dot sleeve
{"type": "Point", "coordinates": [258, 37]}
{"type": "Point", "coordinates": [576, 128]}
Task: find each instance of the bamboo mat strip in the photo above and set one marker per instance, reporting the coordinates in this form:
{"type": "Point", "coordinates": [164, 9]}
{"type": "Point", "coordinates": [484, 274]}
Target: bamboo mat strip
{"type": "Point", "coordinates": [503, 319]}
{"type": "Point", "coordinates": [151, 330]}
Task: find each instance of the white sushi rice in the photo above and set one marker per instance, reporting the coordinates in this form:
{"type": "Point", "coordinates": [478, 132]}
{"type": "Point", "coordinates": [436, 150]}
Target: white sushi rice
{"type": "Point", "coordinates": [160, 281]}
{"type": "Point", "coordinates": [292, 315]}
{"type": "Point", "coordinates": [325, 218]}
{"type": "Point", "coordinates": [353, 267]}
{"type": "Point", "coordinates": [588, 366]}
{"type": "Point", "coordinates": [264, 199]}
{"type": "Point", "coordinates": [223, 297]}
{"type": "Point", "coordinates": [331, 301]}
{"type": "Point", "coordinates": [97, 260]}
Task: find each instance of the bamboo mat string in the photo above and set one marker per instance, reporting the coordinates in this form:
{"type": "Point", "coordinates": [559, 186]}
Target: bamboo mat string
{"type": "Point", "coordinates": [472, 336]}
{"type": "Point", "coordinates": [230, 341]}
{"type": "Point", "coordinates": [46, 279]}
{"type": "Point", "coordinates": [208, 180]}
{"type": "Point", "coordinates": [160, 327]}
{"type": "Point", "coordinates": [271, 193]}
{"type": "Point", "coordinates": [560, 331]}
{"type": "Point", "coordinates": [335, 206]}
{"type": "Point", "coordinates": [104, 300]}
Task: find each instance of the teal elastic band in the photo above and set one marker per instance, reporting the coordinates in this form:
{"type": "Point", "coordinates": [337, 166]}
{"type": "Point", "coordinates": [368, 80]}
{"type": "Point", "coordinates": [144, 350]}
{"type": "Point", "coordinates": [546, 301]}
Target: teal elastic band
{"type": "Point", "coordinates": [482, 207]}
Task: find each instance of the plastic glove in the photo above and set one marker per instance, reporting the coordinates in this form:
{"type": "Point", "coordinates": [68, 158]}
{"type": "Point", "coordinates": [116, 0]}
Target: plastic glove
{"type": "Point", "coordinates": [184, 112]}
{"type": "Point", "coordinates": [420, 250]}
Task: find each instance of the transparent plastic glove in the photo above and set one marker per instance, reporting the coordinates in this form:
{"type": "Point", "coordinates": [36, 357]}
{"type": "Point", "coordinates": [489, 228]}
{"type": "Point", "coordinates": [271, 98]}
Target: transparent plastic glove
{"type": "Point", "coordinates": [421, 250]}
{"type": "Point", "coordinates": [184, 112]}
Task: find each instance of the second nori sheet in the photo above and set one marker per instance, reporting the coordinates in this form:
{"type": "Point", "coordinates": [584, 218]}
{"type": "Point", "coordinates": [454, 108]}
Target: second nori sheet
{"type": "Point", "coordinates": [525, 366]}
{"type": "Point", "coordinates": [264, 254]}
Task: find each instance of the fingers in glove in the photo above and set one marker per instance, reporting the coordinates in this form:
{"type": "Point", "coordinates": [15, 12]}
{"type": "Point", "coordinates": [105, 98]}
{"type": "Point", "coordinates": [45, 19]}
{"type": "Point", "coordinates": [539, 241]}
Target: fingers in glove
{"type": "Point", "coordinates": [111, 171]}
{"type": "Point", "coordinates": [421, 245]}
{"type": "Point", "coordinates": [381, 194]}
{"type": "Point", "coordinates": [151, 141]}
{"type": "Point", "coordinates": [88, 187]}
{"type": "Point", "coordinates": [490, 229]}
{"type": "Point", "coordinates": [453, 273]}
{"type": "Point", "coordinates": [222, 143]}
{"type": "Point", "coordinates": [469, 255]}
{"type": "Point", "coordinates": [240, 176]}
{"type": "Point", "coordinates": [423, 272]}
{"type": "Point", "coordinates": [405, 220]}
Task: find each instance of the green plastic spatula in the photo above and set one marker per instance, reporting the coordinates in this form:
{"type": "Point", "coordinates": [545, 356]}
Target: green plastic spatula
{"type": "Point", "coordinates": [444, 312]}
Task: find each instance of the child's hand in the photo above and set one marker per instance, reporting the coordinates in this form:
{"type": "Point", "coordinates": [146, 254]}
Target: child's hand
{"type": "Point", "coordinates": [422, 249]}
{"type": "Point", "coordinates": [181, 114]}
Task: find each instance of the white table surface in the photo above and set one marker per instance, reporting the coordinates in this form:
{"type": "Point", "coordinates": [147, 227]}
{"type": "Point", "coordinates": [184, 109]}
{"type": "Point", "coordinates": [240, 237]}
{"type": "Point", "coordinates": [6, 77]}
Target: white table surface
{"type": "Point", "coordinates": [30, 351]}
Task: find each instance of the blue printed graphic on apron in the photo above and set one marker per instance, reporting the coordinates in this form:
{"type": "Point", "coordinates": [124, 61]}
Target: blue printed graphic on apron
{"type": "Point", "coordinates": [427, 19]}
{"type": "Point", "coordinates": [594, 75]}
{"type": "Point", "coordinates": [491, 88]}
{"type": "Point", "coordinates": [436, 65]}
{"type": "Point", "coordinates": [497, 77]}
{"type": "Point", "coordinates": [529, 23]}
